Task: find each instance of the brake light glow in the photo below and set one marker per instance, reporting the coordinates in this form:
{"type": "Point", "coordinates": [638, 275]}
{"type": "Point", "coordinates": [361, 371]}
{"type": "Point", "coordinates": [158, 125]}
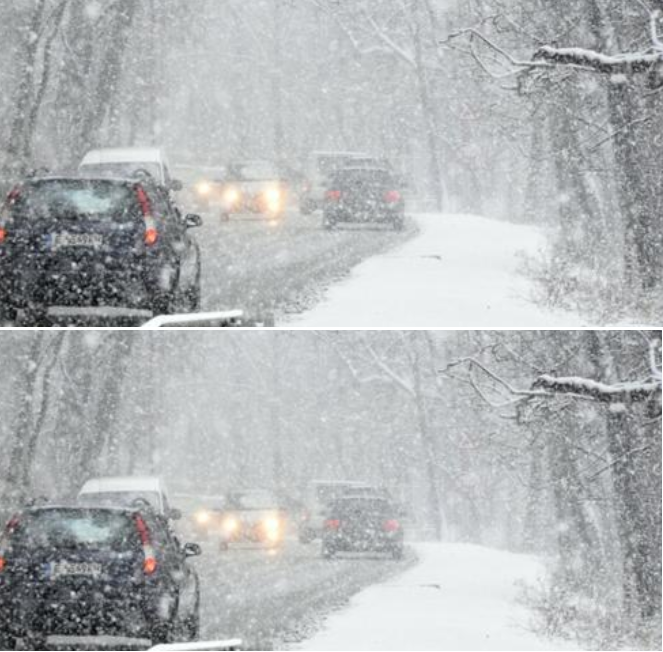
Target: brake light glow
{"type": "Point", "coordinates": [149, 561]}
{"type": "Point", "coordinates": [332, 524]}
{"type": "Point", "coordinates": [151, 232]}
{"type": "Point", "coordinates": [11, 526]}
{"type": "Point", "coordinates": [333, 195]}
{"type": "Point", "coordinates": [3, 234]}
{"type": "Point", "coordinates": [392, 525]}
{"type": "Point", "coordinates": [392, 196]}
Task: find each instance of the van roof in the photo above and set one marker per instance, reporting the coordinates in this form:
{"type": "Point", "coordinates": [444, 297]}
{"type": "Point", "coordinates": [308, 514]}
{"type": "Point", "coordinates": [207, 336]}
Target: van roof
{"type": "Point", "coordinates": [124, 155]}
{"type": "Point", "coordinates": [121, 483]}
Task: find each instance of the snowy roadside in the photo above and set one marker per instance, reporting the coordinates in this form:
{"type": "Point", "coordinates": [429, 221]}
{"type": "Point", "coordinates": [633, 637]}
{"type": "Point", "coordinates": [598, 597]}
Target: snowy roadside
{"type": "Point", "coordinates": [459, 597]}
{"type": "Point", "coordinates": [460, 271]}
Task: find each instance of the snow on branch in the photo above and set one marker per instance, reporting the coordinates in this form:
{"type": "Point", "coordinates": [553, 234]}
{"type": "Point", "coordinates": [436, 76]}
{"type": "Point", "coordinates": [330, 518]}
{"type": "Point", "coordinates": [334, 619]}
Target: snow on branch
{"type": "Point", "coordinates": [618, 393]}
{"type": "Point", "coordinates": [617, 64]}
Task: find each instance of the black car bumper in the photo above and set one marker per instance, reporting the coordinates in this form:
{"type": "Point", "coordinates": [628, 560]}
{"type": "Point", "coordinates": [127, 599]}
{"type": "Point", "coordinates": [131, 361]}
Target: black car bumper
{"type": "Point", "coordinates": [368, 542]}
{"type": "Point", "coordinates": [70, 612]}
{"type": "Point", "coordinates": [30, 281]}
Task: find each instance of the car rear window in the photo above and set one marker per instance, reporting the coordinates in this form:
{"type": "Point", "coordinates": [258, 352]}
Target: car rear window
{"type": "Point", "coordinates": [59, 528]}
{"type": "Point", "coordinates": [375, 507]}
{"type": "Point", "coordinates": [94, 200]}
{"type": "Point", "coordinates": [252, 171]}
{"type": "Point", "coordinates": [329, 164]}
{"type": "Point", "coordinates": [363, 178]}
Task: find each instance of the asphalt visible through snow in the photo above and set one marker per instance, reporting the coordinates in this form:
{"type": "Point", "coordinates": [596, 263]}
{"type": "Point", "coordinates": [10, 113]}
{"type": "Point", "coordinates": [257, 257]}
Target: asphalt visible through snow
{"type": "Point", "coordinates": [273, 599]}
{"type": "Point", "coordinates": [282, 269]}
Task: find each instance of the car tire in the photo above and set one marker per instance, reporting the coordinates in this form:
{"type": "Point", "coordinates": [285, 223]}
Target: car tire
{"type": "Point", "coordinates": [8, 641]}
{"type": "Point", "coordinates": [223, 546]}
{"type": "Point", "coordinates": [398, 223]}
{"type": "Point", "coordinates": [328, 552]}
{"type": "Point", "coordinates": [225, 217]}
{"type": "Point", "coordinates": [328, 223]}
{"type": "Point", "coordinates": [8, 314]}
{"type": "Point", "coordinates": [191, 628]}
{"type": "Point", "coordinates": [305, 207]}
{"type": "Point", "coordinates": [397, 553]}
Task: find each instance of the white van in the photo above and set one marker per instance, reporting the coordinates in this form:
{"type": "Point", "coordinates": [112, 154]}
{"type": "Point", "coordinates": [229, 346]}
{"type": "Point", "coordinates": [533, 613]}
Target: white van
{"type": "Point", "coordinates": [125, 491]}
{"type": "Point", "coordinates": [129, 162]}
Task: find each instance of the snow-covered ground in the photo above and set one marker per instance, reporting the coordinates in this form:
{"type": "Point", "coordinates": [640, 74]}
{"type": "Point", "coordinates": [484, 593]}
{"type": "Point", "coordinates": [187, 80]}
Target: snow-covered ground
{"type": "Point", "coordinates": [459, 270]}
{"type": "Point", "coordinates": [458, 597]}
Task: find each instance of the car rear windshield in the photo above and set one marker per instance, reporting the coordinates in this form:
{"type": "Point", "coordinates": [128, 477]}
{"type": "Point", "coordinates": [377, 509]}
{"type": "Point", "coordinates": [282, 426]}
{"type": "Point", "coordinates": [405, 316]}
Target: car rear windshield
{"type": "Point", "coordinates": [93, 200]}
{"type": "Point", "coordinates": [327, 494]}
{"type": "Point", "coordinates": [353, 177]}
{"type": "Point", "coordinates": [369, 507]}
{"type": "Point", "coordinates": [77, 528]}
{"type": "Point", "coordinates": [332, 163]}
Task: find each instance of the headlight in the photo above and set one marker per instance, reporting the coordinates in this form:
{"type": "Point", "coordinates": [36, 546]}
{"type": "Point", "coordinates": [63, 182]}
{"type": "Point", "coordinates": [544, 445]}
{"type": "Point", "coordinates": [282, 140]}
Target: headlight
{"type": "Point", "coordinates": [203, 518]}
{"type": "Point", "coordinates": [230, 524]}
{"type": "Point", "coordinates": [231, 196]}
{"type": "Point", "coordinates": [272, 527]}
{"type": "Point", "coordinates": [273, 199]}
{"type": "Point", "coordinates": [203, 188]}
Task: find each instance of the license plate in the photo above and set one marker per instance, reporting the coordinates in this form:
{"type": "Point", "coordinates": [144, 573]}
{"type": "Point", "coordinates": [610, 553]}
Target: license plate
{"type": "Point", "coordinates": [65, 239]}
{"type": "Point", "coordinates": [69, 568]}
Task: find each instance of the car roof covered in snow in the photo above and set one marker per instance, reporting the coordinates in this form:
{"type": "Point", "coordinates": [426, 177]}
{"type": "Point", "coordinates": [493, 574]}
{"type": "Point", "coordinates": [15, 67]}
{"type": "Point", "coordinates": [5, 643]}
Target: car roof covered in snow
{"type": "Point", "coordinates": [124, 155]}
{"type": "Point", "coordinates": [122, 483]}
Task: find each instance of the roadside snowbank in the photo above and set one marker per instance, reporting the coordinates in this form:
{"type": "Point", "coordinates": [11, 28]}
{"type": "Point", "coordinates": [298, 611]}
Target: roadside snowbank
{"type": "Point", "coordinates": [459, 271]}
{"type": "Point", "coordinates": [459, 597]}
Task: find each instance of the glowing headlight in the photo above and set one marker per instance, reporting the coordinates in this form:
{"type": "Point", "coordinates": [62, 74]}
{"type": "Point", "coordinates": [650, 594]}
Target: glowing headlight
{"type": "Point", "coordinates": [203, 188]}
{"type": "Point", "coordinates": [203, 518]}
{"type": "Point", "coordinates": [230, 524]}
{"type": "Point", "coordinates": [231, 196]}
{"type": "Point", "coordinates": [272, 527]}
{"type": "Point", "coordinates": [273, 198]}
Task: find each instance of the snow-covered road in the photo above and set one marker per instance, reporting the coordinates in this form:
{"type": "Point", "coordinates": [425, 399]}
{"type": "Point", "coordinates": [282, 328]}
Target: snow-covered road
{"type": "Point", "coordinates": [270, 600]}
{"type": "Point", "coordinates": [459, 271]}
{"type": "Point", "coordinates": [281, 269]}
{"type": "Point", "coordinates": [458, 597]}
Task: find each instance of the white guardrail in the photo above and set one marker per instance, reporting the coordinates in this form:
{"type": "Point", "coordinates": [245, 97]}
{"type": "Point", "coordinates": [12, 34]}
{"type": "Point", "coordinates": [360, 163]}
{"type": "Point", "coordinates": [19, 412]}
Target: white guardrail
{"type": "Point", "coordinates": [124, 643]}
{"type": "Point", "coordinates": [229, 644]}
{"type": "Point", "coordinates": [228, 318]}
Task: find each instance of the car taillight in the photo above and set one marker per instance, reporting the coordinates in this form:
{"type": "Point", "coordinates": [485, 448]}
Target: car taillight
{"type": "Point", "coordinates": [149, 559]}
{"type": "Point", "coordinates": [332, 524]}
{"type": "Point", "coordinates": [333, 195]}
{"type": "Point", "coordinates": [392, 196]}
{"type": "Point", "coordinates": [151, 232]}
{"type": "Point", "coordinates": [11, 526]}
{"type": "Point", "coordinates": [391, 525]}
{"type": "Point", "coordinates": [3, 234]}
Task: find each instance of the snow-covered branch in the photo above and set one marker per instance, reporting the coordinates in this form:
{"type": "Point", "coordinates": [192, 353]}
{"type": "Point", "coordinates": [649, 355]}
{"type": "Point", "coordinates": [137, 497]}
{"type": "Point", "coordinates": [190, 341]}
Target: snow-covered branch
{"type": "Point", "coordinates": [612, 64]}
{"type": "Point", "coordinates": [618, 393]}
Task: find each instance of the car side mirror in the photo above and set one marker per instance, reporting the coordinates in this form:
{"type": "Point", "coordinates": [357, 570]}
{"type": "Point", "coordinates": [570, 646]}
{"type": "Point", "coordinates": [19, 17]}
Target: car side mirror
{"type": "Point", "coordinates": [192, 550]}
{"type": "Point", "coordinates": [192, 220]}
{"type": "Point", "coordinates": [174, 514]}
{"type": "Point", "coordinates": [176, 185]}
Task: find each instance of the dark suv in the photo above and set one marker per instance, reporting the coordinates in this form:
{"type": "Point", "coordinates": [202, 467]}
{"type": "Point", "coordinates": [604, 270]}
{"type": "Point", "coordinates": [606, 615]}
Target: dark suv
{"type": "Point", "coordinates": [363, 524]}
{"type": "Point", "coordinates": [364, 195]}
{"type": "Point", "coordinates": [78, 242]}
{"type": "Point", "coordinates": [84, 571]}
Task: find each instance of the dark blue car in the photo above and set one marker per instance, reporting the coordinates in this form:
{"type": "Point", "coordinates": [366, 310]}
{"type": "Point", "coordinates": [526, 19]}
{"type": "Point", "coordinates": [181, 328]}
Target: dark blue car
{"type": "Point", "coordinates": [85, 571]}
{"type": "Point", "coordinates": [95, 242]}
